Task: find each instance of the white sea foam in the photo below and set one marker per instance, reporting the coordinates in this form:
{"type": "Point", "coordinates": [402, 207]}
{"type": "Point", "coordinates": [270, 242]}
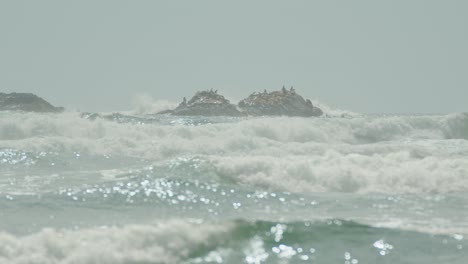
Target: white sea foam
{"type": "Point", "coordinates": [71, 160]}
{"type": "Point", "coordinates": [145, 104]}
{"type": "Point", "coordinates": [333, 111]}
{"type": "Point", "coordinates": [69, 131]}
{"type": "Point", "coordinates": [332, 171]}
{"type": "Point", "coordinates": [167, 242]}
{"type": "Point", "coordinates": [361, 154]}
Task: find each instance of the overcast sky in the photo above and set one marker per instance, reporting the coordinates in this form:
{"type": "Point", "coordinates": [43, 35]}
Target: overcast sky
{"type": "Point", "coordinates": [364, 56]}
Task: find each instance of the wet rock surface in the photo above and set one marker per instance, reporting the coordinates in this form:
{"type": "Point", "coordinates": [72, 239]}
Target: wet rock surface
{"type": "Point", "coordinates": [26, 102]}
{"type": "Point", "coordinates": [205, 103]}
{"type": "Point", "coordinates": [278, 103]}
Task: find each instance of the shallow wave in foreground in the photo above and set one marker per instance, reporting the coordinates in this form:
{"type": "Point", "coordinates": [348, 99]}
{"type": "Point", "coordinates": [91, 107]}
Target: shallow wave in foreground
{"type": "Point", "coordinates": [176, 241]}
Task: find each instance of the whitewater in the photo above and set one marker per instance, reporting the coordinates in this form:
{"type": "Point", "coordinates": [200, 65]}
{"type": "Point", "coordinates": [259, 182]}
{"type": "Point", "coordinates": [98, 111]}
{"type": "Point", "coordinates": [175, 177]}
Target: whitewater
{"type": "Point", "coordinates": [132, 187]}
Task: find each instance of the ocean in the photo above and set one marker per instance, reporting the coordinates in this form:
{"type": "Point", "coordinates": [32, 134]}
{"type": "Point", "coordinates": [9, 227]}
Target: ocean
{"type": "Point", "coordinates": [128, 188]}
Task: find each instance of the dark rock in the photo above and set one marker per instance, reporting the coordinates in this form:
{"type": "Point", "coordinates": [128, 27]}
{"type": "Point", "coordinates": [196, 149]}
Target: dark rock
{"type": "Point", "coordinates": [26, 102]}
{"type": "Point", "coordinates": [277, 103]}
{"type": "Point", "coordinates": [205, 103]}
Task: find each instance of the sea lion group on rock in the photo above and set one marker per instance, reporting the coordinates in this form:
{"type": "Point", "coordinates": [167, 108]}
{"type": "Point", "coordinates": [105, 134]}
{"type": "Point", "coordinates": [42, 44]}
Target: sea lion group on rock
{"type": "Point", "coordinates": [277, 103]}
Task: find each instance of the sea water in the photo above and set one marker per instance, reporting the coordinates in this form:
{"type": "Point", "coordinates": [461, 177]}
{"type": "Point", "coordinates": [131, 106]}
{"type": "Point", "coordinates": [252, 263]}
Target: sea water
{"type": "Point", "coordinates": [122, 188]}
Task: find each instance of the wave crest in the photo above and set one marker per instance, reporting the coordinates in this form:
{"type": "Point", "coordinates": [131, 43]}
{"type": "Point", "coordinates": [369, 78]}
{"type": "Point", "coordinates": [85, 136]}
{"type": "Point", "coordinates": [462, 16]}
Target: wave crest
{"type": "Point", "coordinates": [168, 242]}
{"type": "Point", "coordinates": [229, 242]}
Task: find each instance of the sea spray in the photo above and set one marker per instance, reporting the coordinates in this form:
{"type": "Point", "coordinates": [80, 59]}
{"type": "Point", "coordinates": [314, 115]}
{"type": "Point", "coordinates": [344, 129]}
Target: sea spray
{"type": "Point", "coordinates": [138, 188]}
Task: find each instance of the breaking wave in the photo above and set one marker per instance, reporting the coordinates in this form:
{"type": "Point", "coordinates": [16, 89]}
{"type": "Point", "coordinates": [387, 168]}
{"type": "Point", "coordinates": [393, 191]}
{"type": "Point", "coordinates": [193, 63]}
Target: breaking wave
{"type": "Point", "coordinates": [145, 104]}
{"type": "Point", "coordinates": [359, 130]}
{"type": "Point", "coordinates": [359, 154]}
{"type": "Point", "coordinates": [168, 242]}
{"type": "Point", "coordinates": [337, 172]}
{"type": "Point", "coordinates": [187, 242]}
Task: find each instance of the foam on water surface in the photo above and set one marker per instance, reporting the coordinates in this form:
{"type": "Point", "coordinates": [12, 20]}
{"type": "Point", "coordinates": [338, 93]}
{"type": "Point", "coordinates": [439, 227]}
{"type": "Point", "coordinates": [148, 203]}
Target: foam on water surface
{"type": "Point", "coordinates": [138, 188]}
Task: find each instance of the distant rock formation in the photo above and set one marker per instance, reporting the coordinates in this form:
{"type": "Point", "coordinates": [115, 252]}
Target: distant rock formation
{"type": "Point", "coordinates": [277, 103]}
{"type": "Point", "coordinates": [205, 103]}
{"type": "Point", "coordinates": [284, 102]}
{"type": "Point", "coordinates": [26, 102]}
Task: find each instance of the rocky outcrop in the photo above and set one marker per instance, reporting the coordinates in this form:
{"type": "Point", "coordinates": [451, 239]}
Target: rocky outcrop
{"type": "Point", "coordinates": [278, 103]}
{"type": "Point", "coordinates": [26, 102]}
{"type": "Point", "coordinates": [205, 103]}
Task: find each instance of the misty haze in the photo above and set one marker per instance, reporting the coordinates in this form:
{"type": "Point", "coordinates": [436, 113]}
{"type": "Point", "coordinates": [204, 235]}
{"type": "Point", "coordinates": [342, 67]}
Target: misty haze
{"type": "Point", "coordinates": [233, 132]}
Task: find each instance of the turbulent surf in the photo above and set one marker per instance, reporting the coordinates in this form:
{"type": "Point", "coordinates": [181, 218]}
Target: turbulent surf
{"type": "Point", "coordinates": [139, 188]}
